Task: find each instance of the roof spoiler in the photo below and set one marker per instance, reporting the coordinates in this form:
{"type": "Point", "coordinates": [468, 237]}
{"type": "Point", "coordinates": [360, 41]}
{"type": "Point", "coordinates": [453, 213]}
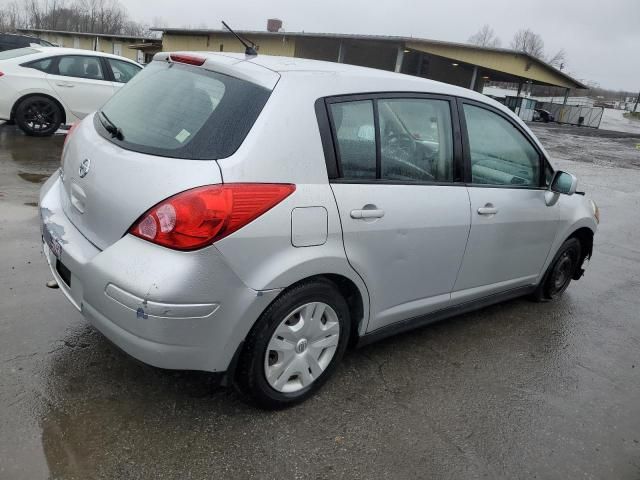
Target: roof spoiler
{"type": "Point", "coordinates": [240, 68]}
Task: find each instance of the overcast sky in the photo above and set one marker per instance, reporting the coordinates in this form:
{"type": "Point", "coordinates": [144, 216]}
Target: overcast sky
{"type": "Point", "coordinates": [601, 37]}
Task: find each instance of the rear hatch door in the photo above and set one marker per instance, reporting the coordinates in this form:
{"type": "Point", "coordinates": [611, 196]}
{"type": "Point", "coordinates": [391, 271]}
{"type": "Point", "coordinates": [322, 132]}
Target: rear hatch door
{"type": "Point", "coordinates": [158, 136]}
{"type": "Point", "coordinates": [107, 188]}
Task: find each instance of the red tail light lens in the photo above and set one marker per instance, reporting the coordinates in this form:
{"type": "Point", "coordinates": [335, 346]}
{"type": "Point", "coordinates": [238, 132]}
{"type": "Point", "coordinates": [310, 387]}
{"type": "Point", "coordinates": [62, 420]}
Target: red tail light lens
{"type": "Point", "coordinates": [201, 216]}
{"type": "Point", "coordinates": [1, 74]}
{"type": "Point", "coordinates": [188, 59]}
{"type": "Point", "coordinates": [64, 144]}
{"type": "Point", "coordinates": [69, 132]}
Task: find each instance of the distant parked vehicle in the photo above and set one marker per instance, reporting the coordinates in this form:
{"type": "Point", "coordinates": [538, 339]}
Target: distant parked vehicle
{"type": "Point", "coordinates": [11, 41]}
{"type": "Point", "coordinates": [540, 115]}
{"type": "Point", "coordinates": [45, 87]}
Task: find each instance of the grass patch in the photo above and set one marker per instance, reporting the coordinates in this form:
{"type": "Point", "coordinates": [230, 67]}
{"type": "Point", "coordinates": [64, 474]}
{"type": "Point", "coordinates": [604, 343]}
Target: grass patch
{"type": "Point", "coordinates": [632, 115]}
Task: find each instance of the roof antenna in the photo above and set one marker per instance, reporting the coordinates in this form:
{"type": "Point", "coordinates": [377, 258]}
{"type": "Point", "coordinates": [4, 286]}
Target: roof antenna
{"type": "Point", "coordinates": [249, 49]}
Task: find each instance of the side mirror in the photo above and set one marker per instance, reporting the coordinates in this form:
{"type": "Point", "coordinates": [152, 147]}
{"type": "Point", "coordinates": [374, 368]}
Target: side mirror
{"type": "Point", "coordinates": [564, 183]}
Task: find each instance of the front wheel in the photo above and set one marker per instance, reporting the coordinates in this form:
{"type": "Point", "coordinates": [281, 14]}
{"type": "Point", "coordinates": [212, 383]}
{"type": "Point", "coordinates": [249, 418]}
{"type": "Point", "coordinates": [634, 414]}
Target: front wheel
{"type": "Point", "coordinates": [295, 346]}
{"type": "Point", "coordinates": [560, 272]}
{"type": "Point", "coordinates": [38, 116]}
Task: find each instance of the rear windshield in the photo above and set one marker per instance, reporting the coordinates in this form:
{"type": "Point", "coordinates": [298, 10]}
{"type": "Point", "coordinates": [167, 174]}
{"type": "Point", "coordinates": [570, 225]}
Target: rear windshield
{"type": "Point", "coordinates": [180, 111]}
{"type": "Point", "coordinates": [18, 52]}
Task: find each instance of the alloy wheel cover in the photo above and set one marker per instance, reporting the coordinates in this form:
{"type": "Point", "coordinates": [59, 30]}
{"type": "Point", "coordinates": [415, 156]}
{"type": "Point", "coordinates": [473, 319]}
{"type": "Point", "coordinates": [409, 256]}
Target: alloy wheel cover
{"type": "Point", "coordinates": [301, 347]}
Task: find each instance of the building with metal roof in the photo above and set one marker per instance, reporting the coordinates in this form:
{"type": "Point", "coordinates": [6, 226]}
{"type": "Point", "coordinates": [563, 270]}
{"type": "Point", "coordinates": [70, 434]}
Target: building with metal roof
{"type": "Point", "coordinates": [460, 64]}
{"type": "Point", "coordinates": [135, 48]}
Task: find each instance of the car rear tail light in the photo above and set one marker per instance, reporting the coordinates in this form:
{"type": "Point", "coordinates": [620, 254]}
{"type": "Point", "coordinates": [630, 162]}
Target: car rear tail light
{"type": "Point", "coordinates": [188, 59]}
{"type": "Point", "coordinates": [69, 132]}
{"type": "Point", "coordinates": [1, 74]}
{"type": "Point", "coordinates": [199, 217]}
{"type": "Point", "coordinates": [64, 144]}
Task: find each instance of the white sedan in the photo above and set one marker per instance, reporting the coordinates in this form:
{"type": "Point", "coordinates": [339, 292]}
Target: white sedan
{"type": "Point", "coordinates": [42, 88]}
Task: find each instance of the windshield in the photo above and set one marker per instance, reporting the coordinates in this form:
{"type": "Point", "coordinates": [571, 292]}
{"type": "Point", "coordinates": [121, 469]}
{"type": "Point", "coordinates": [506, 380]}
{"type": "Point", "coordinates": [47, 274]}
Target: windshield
{"type": "Point", "coordinates": [180, 111]}
{"type": "Point", "coordinates": [18, 52]}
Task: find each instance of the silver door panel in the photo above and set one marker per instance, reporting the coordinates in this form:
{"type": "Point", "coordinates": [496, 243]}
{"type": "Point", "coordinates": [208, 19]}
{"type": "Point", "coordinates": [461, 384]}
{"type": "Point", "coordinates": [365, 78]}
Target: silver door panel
{"type": "Point", "coordinates": [409, 250]}
{"type": "Point", "coordinates": [512, 231]}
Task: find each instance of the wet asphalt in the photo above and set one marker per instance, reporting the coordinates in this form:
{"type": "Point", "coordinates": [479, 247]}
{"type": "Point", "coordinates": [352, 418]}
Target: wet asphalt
{"type": "Point", "coordinates": [517, 390]}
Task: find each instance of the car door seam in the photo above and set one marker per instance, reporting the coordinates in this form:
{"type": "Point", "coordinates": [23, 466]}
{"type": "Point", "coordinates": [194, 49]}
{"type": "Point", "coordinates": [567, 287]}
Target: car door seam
{"type": "Point", "coordinates": [344, 248]}
{"type": "Point", "coordinates": [466, 245]}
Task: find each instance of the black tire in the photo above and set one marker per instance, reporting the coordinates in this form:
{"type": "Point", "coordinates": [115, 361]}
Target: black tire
{"type": "Point", "coordinates": [38, 116]}
{"type": "Point", "coordinates": [250, 378]}
{"type": "Point", "coordinates": [561, 271]}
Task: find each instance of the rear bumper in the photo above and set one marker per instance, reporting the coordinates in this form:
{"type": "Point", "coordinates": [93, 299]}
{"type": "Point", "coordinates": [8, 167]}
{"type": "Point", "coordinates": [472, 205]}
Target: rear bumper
{"type": "Point", "coordinates": [176, 310]}
{"type": "Point", "coordinates": [5, 109]}
{"type": "Point", "coordinates": [7, 99]}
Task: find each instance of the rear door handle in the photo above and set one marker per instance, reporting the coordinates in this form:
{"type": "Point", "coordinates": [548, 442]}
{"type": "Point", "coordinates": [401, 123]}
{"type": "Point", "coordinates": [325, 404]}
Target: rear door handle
{"type": "Point", "coordinates": [488, 209]}
{"type": "Point", "coordinates": [61, 84]}
{"type": "Point", "coordinates": [376, 213]}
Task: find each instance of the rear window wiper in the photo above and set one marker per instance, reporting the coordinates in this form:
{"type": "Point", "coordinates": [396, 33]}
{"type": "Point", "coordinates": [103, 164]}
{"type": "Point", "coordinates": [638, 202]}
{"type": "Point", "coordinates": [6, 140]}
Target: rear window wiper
{"type": "Point", "coordinates": [111, 127]}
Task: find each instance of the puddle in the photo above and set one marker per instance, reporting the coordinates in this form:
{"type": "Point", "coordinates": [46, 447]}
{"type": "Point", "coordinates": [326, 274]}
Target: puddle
{"type": "Point", "coordinates": [33, 177]}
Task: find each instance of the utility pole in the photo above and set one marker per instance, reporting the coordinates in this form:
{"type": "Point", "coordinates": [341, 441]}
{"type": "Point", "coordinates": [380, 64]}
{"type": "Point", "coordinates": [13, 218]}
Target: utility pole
{"type": "Point", "coordinates": [635, 107]}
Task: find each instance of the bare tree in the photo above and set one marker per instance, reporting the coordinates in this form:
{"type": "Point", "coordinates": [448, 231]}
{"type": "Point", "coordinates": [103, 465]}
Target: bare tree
{"type": "Point", "coordinates": [92, 16]}
{"type": "Point", "coordinates": [134, 29]}
{"type": "Point", "coordinates": [558, 60]}
{"type": "Point", "coordinates": [485, 37]}
{"type": "Point", "coordinates": [5, 22]}
{"type": "Point", "coordinates": [34, 12]}
{"type": "Point", "coordinates": [56, 7]}
{"type": "Point", "coordinates": [529, 42]}
{"type": "Point", "coordinates": [159, 22]}
{"type": "Point", "coordinates": [15, 14]}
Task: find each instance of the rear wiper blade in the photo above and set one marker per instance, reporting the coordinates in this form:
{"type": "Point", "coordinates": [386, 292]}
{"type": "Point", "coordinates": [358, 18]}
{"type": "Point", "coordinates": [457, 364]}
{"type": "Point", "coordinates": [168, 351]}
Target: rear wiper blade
{"type": "Point", "coordinates": [111, 127]}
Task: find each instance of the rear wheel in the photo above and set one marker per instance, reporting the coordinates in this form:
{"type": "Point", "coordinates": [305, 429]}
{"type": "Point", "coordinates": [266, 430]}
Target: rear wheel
{"type": "Point", "coordinates": [295, 346]}
{"type": "Point", "coordinates": [561, 271]}
{"type": "Point", "coordinates": [38, 116]}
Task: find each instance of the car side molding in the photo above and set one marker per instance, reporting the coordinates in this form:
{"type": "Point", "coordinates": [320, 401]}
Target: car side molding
{"type": "Point", "coordinates": [448, 312]}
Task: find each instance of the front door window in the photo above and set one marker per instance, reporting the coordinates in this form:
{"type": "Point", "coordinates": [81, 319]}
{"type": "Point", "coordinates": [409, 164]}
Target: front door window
{"type": "Point", "coordinates": [500, 154]}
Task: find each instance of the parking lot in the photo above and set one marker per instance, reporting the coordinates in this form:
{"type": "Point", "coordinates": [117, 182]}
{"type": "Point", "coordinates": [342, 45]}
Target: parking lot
{"type": "Point", "coordinates": [517, 390]}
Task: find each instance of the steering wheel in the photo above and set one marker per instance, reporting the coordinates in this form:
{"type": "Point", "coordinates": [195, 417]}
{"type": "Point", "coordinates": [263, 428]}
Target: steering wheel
{"type": "Point", "coordinates": [400, 146]}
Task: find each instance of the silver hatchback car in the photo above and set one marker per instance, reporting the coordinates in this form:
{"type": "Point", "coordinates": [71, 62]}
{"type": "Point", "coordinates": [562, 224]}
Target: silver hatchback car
{"type": "Point", "coordinates": [254, 216]}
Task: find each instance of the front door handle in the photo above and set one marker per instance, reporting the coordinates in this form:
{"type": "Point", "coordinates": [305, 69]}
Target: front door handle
{"type": "Point", "coordinates": [69, 85]}
{"type": "Point", "coordinates": [488, 209]}
{"type": "Point", "coordinates": [374, 213]}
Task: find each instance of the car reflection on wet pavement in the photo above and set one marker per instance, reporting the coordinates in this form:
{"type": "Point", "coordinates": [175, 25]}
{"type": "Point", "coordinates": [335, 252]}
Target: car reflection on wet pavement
{"type": "Point", "coordinates": [517, 390]}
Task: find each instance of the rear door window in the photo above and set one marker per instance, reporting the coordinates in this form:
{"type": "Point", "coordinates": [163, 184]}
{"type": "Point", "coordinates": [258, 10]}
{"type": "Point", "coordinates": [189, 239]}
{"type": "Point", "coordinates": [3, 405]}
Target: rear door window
{"type": "Point", "coordinates": [43, 65]}
{"type": "Point", "coordinates": [400, 140]}
{"type": "Point", "coordinates": [180, 111]}
{"type": "Point", "coordinates": [355, 138]}
{"type": "Point", "coordinates": [80, 67]}
{"type": "Point", "coordinates": [416, 140]}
